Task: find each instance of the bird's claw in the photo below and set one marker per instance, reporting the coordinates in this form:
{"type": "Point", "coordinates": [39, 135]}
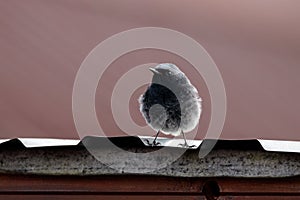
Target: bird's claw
{"type": "Point", "coordinates": [153, 144]}
{"type": "Point", "coordinates": [185, 145]}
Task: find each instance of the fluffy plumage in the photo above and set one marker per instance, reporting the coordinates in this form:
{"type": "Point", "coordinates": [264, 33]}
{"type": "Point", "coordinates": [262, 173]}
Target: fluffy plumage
{"type": "Point", "coordinates": [171, 104]}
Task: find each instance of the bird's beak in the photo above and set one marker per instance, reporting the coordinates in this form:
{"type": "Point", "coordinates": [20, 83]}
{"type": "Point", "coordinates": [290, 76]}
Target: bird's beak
{"type": "Point", "coordinates": [154, 71]}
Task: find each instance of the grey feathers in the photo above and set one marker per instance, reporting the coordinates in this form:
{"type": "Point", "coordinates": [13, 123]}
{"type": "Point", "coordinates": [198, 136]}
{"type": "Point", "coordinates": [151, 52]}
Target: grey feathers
{"type": "Point", "coordinates": [171, 103]}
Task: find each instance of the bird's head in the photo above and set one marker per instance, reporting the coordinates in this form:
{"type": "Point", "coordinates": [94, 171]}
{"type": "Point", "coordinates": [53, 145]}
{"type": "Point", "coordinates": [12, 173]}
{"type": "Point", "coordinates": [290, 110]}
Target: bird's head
{"type": "Point", "coordinates": [166, 72]}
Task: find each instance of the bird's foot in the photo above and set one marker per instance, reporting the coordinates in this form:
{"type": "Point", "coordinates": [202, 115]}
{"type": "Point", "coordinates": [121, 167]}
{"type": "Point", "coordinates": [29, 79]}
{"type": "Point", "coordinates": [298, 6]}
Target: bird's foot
{"type": "Point", "coordinates": [185, 145]}
{"type": "Point", "coordinates": [153, 144]}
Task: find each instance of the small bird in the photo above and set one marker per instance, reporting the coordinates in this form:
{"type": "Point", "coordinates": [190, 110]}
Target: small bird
{"type": "Point", "coordinates": [171, 104]}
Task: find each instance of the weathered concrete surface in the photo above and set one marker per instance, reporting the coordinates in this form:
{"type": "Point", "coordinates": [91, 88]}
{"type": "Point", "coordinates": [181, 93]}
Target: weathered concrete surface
{"type": "Point", "coordinates": [76, 160]}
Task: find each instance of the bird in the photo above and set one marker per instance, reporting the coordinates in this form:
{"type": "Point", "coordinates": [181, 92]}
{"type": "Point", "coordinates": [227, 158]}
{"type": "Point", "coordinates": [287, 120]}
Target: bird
{"type": "Point", "coordinates": [171, 104]}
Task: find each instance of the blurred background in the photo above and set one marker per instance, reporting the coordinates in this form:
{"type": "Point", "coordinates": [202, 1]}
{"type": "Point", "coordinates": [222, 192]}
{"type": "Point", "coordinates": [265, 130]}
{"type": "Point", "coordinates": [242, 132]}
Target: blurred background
{"type": "Point", "coordinates": [255, 44]}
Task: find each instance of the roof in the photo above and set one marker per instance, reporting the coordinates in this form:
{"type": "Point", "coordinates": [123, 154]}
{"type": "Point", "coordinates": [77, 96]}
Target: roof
{"type": "Point", "coordinates": [227, 159]}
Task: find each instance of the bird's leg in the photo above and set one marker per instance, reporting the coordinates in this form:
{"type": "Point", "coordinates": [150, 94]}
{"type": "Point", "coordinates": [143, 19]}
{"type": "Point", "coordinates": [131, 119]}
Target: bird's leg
{"type": "Point", "coordinates": [154, 143]}
{"type": "Point", "coordinates": [185, 142]}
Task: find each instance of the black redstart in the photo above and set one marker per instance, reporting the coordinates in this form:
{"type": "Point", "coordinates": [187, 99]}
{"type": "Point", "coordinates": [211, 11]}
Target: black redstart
{"type": "Point", "coordinates": [171, 104]}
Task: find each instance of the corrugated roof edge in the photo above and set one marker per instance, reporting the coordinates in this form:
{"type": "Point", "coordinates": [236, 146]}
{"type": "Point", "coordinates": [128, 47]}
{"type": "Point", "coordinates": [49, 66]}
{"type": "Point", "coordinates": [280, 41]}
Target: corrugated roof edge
{"type": "Point", "coordinates": [140, 141]}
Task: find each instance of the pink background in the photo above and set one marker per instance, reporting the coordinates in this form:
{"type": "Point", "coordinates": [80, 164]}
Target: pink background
{"type": "Point", "coordinates": [255, 44]}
